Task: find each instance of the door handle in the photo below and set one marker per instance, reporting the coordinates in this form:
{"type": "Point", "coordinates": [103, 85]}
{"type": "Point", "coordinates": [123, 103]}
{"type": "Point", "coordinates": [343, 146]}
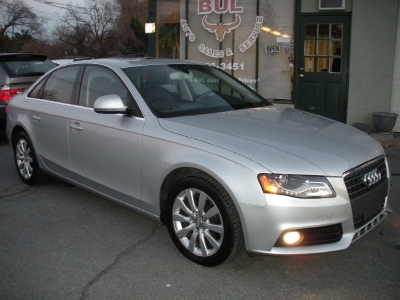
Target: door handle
{"type": "Point", "coordinates": [76, 127]}
{"type": "Point", "coordinates": [36, 118]}
{"type": "Point", "coordinates": [301, 75]}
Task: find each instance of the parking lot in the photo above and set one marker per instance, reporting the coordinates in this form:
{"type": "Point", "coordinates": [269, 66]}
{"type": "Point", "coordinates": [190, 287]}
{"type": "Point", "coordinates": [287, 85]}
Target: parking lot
{"type": "Point", "coordinates": [60, 242]}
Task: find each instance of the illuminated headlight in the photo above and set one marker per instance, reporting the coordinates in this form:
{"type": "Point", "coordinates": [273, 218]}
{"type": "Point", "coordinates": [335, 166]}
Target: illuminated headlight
{"type": "Point", "coordinates": [298, 186]}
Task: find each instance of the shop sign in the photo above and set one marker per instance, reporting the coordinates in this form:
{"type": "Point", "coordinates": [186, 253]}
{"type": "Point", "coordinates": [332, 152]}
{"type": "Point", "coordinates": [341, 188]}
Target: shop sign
{"type": "Point", "coordinates": [273, 49]}
{"type": "Point", "coordinates": [206, 7]}
{"type": "Point", "coordinates": [217, 6]}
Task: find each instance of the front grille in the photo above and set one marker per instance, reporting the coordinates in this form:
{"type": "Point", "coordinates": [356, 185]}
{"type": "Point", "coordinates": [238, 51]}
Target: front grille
{"type": "Point", "coordinates": [317, 236]}
{"type": "Point", "coordinates": [354, 178]}
{"type": "Point", "coordinates": [367, 186]}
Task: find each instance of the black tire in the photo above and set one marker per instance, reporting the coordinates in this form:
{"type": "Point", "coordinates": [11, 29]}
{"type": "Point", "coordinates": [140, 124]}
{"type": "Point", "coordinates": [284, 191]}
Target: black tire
{"type": "Point", "coordinates": [26, 161]}
{"type": "Point", "coordinates": [208, 231]}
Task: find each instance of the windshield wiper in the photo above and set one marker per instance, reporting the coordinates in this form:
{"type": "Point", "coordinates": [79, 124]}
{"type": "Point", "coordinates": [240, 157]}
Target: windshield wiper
{"type": "Point", "coordinates": [33, 74]}
{"type": "Point", "coordinates": [248, 105]}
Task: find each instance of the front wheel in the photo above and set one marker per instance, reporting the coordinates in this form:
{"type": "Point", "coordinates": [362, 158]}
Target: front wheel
{"type": "Point", "coordinates": [25, 160]}
{"type": "Point", "coordinates": [203, 221]}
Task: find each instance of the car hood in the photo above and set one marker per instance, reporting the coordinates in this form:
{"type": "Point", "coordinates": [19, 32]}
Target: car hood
{"type": "Point", "coordinates": [282, 140]}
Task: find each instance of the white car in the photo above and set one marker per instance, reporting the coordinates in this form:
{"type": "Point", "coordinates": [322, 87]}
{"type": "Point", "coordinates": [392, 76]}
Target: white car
{"type": "Point", "coordinates": [190, 146]}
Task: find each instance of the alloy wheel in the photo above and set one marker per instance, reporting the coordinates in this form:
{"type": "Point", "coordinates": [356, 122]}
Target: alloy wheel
{"type": "Point", "coordinates": [24, 158]}
{"type": "Point", "coordinates": [197, 222]}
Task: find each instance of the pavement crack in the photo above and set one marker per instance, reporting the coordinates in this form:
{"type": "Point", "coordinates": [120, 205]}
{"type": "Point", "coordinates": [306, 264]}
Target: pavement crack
{"type": "Point", "coordinates": [120, 256]}
{"type": "Point", "coordinates": [16, 190]}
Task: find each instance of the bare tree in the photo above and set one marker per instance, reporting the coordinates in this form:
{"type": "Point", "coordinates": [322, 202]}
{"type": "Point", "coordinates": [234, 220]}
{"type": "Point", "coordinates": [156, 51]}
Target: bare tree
{"type": "Point", "coordinates": [101, 28]}
{"type": "Point", "coordinates": [43, 47]}
{"type": "Point", "coordinates": [15, 16]}
{"type": "Point", "coordinates": [73, 37]}
{"type": "Point", "coordinates": [90, 28]}
{"type": "Point", "coordinates": [100, 22]}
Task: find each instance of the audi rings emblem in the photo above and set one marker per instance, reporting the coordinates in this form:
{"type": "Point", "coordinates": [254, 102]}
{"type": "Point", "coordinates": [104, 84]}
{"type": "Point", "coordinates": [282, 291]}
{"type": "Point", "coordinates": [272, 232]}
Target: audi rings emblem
{"type": "Point", "coordinates": [372, 177]}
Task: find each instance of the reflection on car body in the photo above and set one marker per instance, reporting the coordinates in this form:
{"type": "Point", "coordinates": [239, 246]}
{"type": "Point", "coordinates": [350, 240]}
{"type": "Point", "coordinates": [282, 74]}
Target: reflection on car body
{"type": "Point", "coordinates": [190, 146]}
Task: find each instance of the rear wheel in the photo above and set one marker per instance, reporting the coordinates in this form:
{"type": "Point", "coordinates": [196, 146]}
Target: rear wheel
{"type": "Point", "coordinates": [203, 221]}
{"type": "Point", "coordinates": [25, 160]}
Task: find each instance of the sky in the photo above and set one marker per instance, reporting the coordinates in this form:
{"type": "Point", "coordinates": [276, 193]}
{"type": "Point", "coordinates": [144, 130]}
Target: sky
{"type": "Point", "coordinates": [52, 11]}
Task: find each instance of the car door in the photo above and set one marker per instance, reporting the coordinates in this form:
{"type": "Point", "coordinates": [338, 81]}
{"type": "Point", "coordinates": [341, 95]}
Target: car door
{"type": "Point", "coordinates": [50, 105]}
{"type": "Point", "coordinates": [104, 148]}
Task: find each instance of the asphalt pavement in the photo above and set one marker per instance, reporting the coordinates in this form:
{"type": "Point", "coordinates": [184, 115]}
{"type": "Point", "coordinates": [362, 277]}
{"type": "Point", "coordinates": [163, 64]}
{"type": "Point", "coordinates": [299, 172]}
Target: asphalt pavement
{"type": "Point", "coordinates": [60, 242]}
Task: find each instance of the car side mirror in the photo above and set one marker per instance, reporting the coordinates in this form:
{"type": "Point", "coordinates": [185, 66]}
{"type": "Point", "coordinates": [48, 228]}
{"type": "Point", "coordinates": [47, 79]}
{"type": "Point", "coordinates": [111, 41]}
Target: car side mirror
{"type": "Point", "coordinates": [110, 104]}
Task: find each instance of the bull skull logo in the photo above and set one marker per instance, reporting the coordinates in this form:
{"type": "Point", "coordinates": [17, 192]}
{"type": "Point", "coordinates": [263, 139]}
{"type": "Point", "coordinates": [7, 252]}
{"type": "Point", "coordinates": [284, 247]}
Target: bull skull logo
{"type": "Point", "coordinates": [221, 29]}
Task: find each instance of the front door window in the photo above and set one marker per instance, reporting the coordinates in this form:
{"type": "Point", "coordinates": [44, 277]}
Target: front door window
{"type": "Point", "coordinates": [323, 48]}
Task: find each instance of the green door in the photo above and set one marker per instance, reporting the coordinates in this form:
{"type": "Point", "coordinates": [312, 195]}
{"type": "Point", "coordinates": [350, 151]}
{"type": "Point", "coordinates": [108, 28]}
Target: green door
{"type": "Point", "coordinates": [322, 65]}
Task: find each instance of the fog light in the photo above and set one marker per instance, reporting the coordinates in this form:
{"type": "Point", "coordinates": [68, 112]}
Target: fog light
{"type": "Point", "coordinates": [292, 238]}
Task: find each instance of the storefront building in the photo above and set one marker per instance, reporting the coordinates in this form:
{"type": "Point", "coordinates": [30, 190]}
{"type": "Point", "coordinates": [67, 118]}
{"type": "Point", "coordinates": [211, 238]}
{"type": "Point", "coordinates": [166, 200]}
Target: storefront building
{"type": "Point", "coordinates": [335, 58]}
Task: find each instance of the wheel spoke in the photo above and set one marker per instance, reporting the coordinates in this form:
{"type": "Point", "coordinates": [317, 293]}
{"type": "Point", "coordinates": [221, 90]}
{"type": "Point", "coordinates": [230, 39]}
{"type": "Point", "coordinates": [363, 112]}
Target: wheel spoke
{"type": "Point", "coordinates": [179, 218]}
{"type": "Point", "coordinates": [190, 198]}
{"type": "Point", "coordinates": [184, 231]}
{"type": "Point", "coordinates": [21, 168]}
{"type": "Point", "coordinates": [211, 213]}
{"type": "Point", "coordinates": [25, 171]}
{"type": "Point", "coordinates": [202, 243]}
{"type": "Point", "coordinates": [216, 228]}
{"type": "Point", "coordinates": [29, 169]}
{"type": "Point", "coordinates": [20, 149]}
{"type": "Point", "coordinates": [181, 204]}
{"type": "Point", "coordinates": [202, 202]}
{"type": "Point", "coordinates": [193, 240]}
{"type": "Point", "coordinates": [211, 240]}
{"type": "Point", "coordinates": [22, 145]}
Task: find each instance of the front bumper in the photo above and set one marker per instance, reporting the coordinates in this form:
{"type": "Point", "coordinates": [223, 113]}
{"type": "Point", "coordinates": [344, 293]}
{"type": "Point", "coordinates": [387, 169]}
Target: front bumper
{"type": "Point", "coordinates": [263, 226]}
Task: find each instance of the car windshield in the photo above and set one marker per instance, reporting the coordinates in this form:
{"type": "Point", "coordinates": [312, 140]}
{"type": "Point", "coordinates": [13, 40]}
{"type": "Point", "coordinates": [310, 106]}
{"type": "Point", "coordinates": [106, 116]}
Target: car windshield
{"type": "Point", "coordinates": [27, 68]}
{"type": "Point", "coordinates": [184, 89]}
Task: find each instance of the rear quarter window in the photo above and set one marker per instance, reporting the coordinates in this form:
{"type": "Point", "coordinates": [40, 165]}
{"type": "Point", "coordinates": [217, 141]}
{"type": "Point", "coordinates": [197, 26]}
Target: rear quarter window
{"type": "Point", "coordinates": [37, 90]}
{"type": "Point", "coordinates": [60, 85]}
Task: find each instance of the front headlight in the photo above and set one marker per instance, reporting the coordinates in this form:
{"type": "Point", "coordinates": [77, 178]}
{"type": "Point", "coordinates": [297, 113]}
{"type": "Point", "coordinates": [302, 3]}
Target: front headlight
{"type": "Point", "coordinates": [299, 186]}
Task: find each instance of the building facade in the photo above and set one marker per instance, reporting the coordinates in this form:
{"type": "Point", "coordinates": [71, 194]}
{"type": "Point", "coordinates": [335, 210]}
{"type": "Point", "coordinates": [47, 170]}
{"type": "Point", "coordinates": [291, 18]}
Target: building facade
{"type": "Point", "coordinates": [335, 58]}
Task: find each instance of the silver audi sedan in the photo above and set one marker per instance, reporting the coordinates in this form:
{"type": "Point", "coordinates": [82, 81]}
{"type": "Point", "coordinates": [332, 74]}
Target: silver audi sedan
{"type": "Point", "coordinates": [192, 147]}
